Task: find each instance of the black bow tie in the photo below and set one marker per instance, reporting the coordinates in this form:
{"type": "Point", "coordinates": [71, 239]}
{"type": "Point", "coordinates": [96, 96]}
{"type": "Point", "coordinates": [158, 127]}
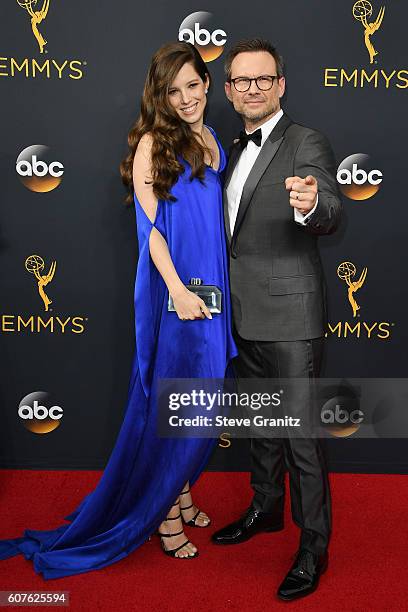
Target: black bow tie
{"type": "Point", "coordinates": [256, 137]}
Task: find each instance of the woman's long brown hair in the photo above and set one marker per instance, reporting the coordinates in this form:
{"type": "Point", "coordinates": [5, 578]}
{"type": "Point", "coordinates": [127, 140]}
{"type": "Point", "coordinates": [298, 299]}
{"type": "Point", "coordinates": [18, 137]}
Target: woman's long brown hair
{"type": "Point", "coordinates": [171, 136]}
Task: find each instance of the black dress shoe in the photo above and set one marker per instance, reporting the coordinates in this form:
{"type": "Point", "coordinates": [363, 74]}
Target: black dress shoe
{"type": "Point", "coordinates": [303, 577]}
{"type": "Point", "coordinates": [251, 523]}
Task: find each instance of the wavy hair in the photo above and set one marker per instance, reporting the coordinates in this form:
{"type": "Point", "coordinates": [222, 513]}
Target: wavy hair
{"type": "Point", "coordinates": [171, 136]}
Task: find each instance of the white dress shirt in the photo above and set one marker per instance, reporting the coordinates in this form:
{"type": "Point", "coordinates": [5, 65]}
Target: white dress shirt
{"type": "Point", "coordinates": [243, 168]}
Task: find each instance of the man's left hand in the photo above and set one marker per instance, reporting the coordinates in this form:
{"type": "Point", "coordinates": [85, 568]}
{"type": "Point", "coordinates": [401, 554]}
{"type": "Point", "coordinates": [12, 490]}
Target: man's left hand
{"type": "Point", "coordinates": [303, 192]}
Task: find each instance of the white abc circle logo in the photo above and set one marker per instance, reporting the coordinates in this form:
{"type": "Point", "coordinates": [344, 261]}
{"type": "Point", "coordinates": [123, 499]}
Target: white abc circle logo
{"type": "Point", "coordinates": [36, 416]}
{"type": "Point", "coordinates": [341, 416]}
{"type": "Point", "coordinates": [197, 29]}
{"type": "Point", "coordinates": [37, 169]}
{"type": "Point", "coordinates": [356, 178]}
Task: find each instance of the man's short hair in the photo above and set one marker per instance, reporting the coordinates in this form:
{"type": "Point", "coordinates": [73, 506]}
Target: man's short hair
{"type": "Point", "coordinates": [252, 45]}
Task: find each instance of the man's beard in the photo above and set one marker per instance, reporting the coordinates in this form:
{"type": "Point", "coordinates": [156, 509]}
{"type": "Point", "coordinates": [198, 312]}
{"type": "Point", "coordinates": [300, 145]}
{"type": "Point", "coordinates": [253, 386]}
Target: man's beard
{"type": "Point", "coordinates": [256, 116]}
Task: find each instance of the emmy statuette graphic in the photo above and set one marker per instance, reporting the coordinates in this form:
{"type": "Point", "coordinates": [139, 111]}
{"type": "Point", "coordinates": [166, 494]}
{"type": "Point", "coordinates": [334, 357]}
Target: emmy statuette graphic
{"type": "Point", "coordinates": [36, 18]}
{"type": "Point", "coordinates": [346, 271]}
{"type": "Point", "coordinates": [362, 11]}
{"type": "Point", "coordinates": [35, 264]}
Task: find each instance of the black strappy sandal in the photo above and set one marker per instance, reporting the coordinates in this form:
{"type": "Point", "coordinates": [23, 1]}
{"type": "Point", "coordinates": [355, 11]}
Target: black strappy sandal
{"type": "Point", "coordinates": [192, 521]}
{"type": "Point", "coordinates": [172, 552]}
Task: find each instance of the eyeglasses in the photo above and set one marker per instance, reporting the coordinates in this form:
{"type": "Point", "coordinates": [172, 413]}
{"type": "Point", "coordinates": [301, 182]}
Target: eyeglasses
{"type": "Point", "coordinates": [263, 82]}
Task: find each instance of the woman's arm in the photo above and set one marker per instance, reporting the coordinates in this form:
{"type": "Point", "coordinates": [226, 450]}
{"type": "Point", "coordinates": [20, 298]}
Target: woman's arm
{"type": "Point", "coordinates": [187, 304]}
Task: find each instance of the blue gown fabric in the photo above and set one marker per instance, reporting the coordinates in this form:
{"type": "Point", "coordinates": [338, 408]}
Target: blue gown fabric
{"type": "Point", "coordinates": [145, 473]}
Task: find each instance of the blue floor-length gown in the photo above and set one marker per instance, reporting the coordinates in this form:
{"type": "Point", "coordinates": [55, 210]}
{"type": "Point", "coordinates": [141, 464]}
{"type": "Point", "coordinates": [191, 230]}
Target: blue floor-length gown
{"type": "Point", "coordinates": [145, 473]}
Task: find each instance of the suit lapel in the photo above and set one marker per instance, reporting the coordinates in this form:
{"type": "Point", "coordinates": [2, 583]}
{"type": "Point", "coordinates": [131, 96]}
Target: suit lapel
{"type": "Point", "coordinates": [232, 162]}
{"type": "Point", "coordinates": [268, 152]}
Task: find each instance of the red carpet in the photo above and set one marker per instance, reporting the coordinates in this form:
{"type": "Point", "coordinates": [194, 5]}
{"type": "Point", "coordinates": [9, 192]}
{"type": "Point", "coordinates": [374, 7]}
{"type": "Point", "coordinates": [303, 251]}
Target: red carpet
{"type": "Point", "coordinates": [368, 554]}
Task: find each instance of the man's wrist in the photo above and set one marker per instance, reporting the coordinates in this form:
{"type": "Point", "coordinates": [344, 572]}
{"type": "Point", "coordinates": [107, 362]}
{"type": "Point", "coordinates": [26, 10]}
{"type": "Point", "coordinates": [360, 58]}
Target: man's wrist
{"type": "Point", "coordinates": [302, 217]}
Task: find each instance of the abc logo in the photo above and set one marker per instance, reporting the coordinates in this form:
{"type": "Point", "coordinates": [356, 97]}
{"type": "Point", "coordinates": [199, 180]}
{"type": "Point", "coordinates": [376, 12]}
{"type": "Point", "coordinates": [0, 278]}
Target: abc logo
{"type": "Point", "coordinates": [36, 415]}
{"type": "Point", "coordinates": [356, 177]}
{"type": "Point", "coordinates": [341, 416]}
{"type": "Point", "coordinates": [198, 29]}
{"type": "Point", "coordinates": [37, 169]}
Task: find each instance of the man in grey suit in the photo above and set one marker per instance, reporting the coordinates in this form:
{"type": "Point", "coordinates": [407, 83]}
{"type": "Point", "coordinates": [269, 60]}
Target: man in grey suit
{"type": "Point", "coordinates": [280, 194]}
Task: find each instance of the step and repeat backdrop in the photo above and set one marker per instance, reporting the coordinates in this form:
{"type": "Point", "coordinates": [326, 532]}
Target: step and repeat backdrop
{"type": "Point", "coordinates": [71, 77]}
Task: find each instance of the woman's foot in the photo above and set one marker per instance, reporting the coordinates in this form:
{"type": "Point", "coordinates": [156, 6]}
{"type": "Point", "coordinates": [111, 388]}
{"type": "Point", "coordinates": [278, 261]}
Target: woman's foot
{"type": "Point", "coordinates": [191, 514]}
{"type": "Point", "coordinates": [173, 536]}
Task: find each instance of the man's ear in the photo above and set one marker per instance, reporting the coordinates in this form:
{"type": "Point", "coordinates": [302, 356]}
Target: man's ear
{"type": "Point", "coordinates": [282, 86]}
{"type": "Point", "coordinates": [227, 87]}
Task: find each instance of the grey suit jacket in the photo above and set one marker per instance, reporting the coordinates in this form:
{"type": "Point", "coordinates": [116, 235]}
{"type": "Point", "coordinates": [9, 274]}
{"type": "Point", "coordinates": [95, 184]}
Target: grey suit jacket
{"type": "Point", "coordinates": [276, 276]}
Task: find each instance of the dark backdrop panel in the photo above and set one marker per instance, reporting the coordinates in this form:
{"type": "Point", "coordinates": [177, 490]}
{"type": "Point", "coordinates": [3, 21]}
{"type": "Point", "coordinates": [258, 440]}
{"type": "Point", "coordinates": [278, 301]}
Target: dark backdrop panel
{"type": "Point", "coordinates": [84, 227]}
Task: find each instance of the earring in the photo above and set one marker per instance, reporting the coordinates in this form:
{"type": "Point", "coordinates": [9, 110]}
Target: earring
{"type": "Point", "coordinates": [206, 91]}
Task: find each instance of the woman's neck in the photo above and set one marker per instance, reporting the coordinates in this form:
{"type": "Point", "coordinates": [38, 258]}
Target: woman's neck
{"type": "Point", "coordinates": [198, 128]}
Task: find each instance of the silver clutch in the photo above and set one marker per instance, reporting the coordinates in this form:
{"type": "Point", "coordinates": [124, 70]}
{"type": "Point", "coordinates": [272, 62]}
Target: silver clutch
{"type": "Point", "coordinates": [210, 294]}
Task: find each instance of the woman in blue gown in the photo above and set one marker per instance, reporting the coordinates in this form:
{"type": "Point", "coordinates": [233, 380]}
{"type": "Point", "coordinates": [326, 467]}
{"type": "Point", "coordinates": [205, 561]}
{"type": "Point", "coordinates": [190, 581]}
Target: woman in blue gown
{"type": "Point", "coordinates": [173, 173]}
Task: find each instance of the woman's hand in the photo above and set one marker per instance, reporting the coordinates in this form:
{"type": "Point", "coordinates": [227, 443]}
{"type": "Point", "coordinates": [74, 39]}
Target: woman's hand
{"type": "Point", "coordinates": [189, 306]}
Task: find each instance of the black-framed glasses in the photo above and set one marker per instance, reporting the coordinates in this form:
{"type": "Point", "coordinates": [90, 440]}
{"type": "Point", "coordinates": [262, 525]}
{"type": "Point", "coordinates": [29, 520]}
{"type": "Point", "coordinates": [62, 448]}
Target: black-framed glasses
{"type": "Point", "coordinates": [263, 82]}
